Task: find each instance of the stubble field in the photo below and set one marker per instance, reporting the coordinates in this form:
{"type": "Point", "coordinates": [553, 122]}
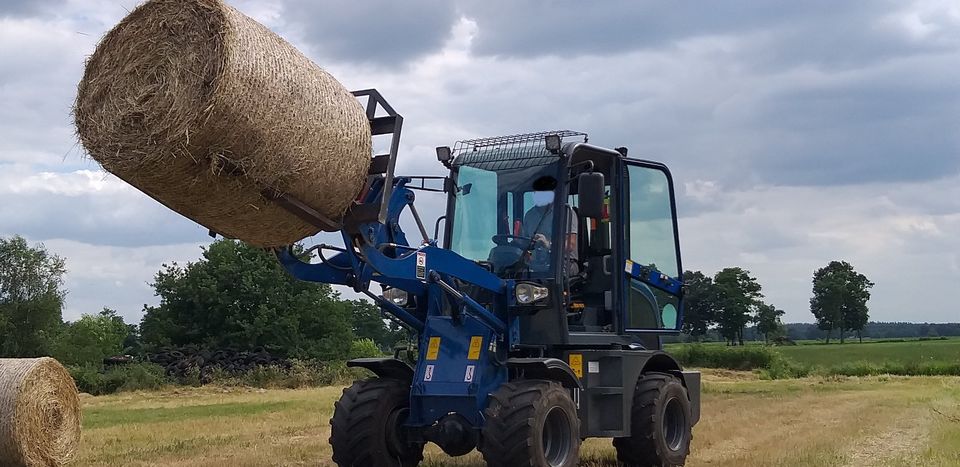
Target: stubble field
{"type": "Point", "coordinates": [887, 421]}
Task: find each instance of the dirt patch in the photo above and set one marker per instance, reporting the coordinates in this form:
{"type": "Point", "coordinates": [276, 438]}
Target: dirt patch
{"type": "Point", "coordinates": [721, 375]}
{"type": "Point", "coordinates": [906, 437]}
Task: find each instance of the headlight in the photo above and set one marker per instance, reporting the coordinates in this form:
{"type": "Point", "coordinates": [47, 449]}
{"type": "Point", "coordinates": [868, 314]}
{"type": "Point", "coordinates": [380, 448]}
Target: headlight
{"type": "Point", "coordinates": [396, 296]}
{"type": "Point", "coordinates": [528, 293]}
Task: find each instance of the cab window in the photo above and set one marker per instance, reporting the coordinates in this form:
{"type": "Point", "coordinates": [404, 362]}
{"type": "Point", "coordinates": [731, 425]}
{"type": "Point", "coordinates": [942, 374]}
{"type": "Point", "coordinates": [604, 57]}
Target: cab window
{"type": "Point", "coordinates": [650, 243]}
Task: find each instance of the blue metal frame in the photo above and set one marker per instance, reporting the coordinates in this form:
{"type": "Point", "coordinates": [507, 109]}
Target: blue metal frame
{"type": "Point", "coordinates": [446, 379]}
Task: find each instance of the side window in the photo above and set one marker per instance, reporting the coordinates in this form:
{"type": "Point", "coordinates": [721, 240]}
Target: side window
{"type": "Point", "coordinates": [650, 243]}
{"type": "Point", "coordinates": [475, 217]}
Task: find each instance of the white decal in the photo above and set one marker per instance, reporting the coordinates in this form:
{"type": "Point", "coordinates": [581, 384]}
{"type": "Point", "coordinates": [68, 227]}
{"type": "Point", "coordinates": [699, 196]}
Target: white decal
{"type": "Point", "coordinates": [428, 373]}
{"type": "Point", "coordinates": [593, 367]}
{"type": "Point", "coordinates": [421, 265]}
{"type": "Point", "coordinates": [468, 376]}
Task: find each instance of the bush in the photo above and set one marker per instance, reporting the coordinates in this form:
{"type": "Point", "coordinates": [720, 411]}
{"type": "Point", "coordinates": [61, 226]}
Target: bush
{"type": "Point", "coordinates": [894, 368]}
{"type": "Point", "coordinates": [302, 373]}
{"type": "Point", "coordinates": [362, 348]}
{"type": "Point", "coordinates": [87, 377]}
{"type": "Point", "coordinates": [732, 358]}
{"type": "Point", "coordinates": [782, 368]}
{"type": "Point", "coordinates": [96, 380]}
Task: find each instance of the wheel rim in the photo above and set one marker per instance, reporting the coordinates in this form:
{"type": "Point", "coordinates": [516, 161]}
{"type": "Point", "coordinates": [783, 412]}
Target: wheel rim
{"type": "Point", "coordinates": [556, 437]}
{"type": "Point", "coordinates": [394, 423]}
{"type": "Point", "coordinates": [674, 424]}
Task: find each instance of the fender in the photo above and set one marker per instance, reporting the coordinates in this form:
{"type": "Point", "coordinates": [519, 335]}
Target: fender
{"type": "Point", "coordinates": [545, 368]}
{"type": "Point", "coordinates": [664, 363]}
{"type": "Point", "coordinates": [384, 367]}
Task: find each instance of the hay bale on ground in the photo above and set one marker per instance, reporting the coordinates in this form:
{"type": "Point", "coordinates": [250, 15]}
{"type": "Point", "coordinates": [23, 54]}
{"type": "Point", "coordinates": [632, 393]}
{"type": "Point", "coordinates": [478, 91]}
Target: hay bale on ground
{"type": "Point", "coordinates": [39, 413]}
{"type": "Point", "coordinates": [201, 107]}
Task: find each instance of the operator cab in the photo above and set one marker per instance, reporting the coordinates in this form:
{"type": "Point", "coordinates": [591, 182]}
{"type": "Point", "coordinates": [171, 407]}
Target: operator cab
{"type": "Point", "coordinates": [592, 228]}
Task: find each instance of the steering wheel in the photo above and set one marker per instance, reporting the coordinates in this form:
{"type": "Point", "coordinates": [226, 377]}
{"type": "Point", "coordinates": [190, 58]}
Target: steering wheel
{"type": "Point", "coordinates": [505, 239]}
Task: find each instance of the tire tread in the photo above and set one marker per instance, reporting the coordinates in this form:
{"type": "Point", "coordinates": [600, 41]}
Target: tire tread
{"type": "Point", "coordinates": [354, 424]}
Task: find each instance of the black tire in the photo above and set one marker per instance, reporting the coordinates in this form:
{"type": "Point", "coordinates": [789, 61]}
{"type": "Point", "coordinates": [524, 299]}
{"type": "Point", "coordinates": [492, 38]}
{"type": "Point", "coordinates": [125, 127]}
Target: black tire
{"type": "Point", "coordinates": [364, 428]}
{"type": "Point", "coordinates": [660, 432]}
{"type": "Point", "coordinates": [531, 423]}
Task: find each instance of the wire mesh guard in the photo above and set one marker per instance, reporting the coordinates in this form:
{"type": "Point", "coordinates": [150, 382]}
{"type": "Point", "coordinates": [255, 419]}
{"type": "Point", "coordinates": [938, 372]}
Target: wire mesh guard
{"type": "Point", "coordinates": [511, 151]}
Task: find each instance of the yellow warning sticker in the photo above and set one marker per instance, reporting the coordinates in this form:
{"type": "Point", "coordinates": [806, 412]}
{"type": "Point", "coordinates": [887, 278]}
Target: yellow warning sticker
{"type": "Point", "coordinates": [433, 348]}
{"type": "Point", "coordinates": [576, 362]}
{"type": "Point", "coordinates": [476, 343]}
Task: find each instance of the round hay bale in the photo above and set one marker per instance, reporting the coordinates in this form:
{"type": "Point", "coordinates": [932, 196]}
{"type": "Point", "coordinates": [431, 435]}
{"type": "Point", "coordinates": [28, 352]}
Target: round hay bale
{"type": "Point", "coordinates": [39, 413]}
{"type": "Point", "coordinates": [202, 108]}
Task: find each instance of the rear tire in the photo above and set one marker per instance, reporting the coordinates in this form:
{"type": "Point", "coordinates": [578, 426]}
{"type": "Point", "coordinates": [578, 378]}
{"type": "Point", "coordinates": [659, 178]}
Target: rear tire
{"type": "Point", "coordinates": [531, 423]}
{"type": "Point", "coordinates": [364, 430]}
{"type": "Point", "coordinates": [659, 424]}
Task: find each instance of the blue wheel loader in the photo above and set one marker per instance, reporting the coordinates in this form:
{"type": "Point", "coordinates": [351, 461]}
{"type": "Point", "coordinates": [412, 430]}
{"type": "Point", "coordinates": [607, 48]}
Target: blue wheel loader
{"type": "Point", "coordinates": [539, 316]}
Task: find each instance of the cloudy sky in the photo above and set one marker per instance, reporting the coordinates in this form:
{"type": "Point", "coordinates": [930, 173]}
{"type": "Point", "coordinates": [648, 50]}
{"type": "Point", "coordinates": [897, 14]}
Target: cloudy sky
{"type": "Point", "coordinates": [798, 132]}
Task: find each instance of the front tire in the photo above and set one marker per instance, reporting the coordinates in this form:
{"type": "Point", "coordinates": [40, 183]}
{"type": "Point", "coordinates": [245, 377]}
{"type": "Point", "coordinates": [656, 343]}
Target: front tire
{"type": "Point", "coordinates": [660, 430]}
{"type": "Point", "coordinates": [365, 428]}
{"type": "Point", "coordinates": [531, 423]}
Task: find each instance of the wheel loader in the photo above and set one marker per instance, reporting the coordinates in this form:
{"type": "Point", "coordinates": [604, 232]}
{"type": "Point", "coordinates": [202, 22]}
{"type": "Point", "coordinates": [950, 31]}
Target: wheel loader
{"type": "Point", "coordinates": [539, 304]}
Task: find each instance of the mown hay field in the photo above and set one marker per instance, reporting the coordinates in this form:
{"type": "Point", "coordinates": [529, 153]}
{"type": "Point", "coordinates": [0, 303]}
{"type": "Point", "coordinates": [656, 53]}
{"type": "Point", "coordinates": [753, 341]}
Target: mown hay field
{"type": "Point", "coordinates": [843, 421]}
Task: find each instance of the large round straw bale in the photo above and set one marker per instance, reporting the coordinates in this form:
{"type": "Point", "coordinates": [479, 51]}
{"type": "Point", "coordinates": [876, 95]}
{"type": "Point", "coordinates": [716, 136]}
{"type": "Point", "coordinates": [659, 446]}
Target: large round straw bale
{"type": "Point", "coordinates": [203, 108]}
{"type": "Point", "coordinates": [39, 413]}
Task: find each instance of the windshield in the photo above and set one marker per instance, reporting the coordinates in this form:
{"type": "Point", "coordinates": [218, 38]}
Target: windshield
{"type": "Point", "coordinates": [497, 216]}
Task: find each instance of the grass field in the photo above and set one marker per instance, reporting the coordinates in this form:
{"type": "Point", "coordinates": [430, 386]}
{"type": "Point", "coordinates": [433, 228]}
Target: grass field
{"type": "Point", "coordinates": [910, 357]}
{"type": "Point", "coordinates": [947, 350]}
{"type": "Point", "coordinates": [889, 421]}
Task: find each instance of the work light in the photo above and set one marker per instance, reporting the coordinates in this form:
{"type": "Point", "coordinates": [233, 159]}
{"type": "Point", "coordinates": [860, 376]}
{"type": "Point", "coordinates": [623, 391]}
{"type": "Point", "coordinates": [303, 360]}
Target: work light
{"type": "Point", "coordinates": [527, 293]}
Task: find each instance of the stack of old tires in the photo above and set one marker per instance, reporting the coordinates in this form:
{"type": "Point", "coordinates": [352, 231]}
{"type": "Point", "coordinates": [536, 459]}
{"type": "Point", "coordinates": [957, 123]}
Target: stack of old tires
{"type": "Point", "coordinates": [183, 362]}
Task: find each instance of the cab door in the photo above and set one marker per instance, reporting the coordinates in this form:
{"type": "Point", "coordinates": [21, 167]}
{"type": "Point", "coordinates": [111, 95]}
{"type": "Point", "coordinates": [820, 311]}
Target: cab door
{"type": "Point", "coordinates": [652, 273]}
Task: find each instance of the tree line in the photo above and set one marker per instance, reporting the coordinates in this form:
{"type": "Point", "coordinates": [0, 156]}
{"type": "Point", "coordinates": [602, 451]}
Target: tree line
{"type": "Point", "coordinates": [731, 302]}
{"type": "Point", "coordinates": [878, 330]}
{"type": "Point", "coordinates": [235, 296]}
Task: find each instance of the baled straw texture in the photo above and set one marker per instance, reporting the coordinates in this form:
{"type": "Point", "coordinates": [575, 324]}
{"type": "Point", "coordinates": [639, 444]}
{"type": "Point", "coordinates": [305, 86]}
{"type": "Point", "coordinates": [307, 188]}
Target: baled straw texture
{"type": "Point", "coordinates": [201, 107]}
{"type": "Point", "coordinates": [39, 413]}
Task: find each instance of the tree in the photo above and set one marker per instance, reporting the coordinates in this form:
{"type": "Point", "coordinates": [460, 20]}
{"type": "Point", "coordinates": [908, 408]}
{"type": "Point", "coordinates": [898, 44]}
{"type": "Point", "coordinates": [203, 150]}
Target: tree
{"type": "Point", "coordinates": [368, 323]}
{"type": "Point", "coordinates": [31, 298]}
{"type": "Point", "coordinates": [840, 296]}
{"type": "Point", "coordinates": [767, 319]}
{"type": "Point", "coordinates": [91, 338]}
{"type": "Point", "coordinates": [737, 295]}
{"type": "Point", "coordinates": [238, 296]}
{"type": "Point", "coordinates": [700, 303]}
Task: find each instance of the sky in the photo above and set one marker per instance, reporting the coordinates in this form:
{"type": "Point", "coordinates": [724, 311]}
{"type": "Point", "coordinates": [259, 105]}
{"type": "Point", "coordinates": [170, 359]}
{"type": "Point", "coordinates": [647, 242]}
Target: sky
{"type": "Point", "coordinates": [797, 132]}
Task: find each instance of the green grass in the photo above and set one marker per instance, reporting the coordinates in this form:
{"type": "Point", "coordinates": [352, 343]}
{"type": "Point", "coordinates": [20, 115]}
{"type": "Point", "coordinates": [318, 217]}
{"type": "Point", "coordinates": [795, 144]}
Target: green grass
{"type": "Point", "coordinates": [909, 357]}
{"type": "Point", "coordinates": [907, 352]}
{"type": "Point", "coordinates": [103, 417]}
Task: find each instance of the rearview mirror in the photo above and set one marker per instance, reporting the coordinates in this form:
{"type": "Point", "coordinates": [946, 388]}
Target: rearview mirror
{"type": "Point", "coordinates": [590, 194]}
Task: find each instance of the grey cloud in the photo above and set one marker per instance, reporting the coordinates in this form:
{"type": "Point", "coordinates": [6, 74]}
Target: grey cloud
{"type": "Point", "coordinates": [114, 277]}
{"type": "Point", "coordinates": [880, 128]}
{"type": "Point", "coordinates": [25, 8]}
{"type": "Point", "coordinates": [90, 295]}
{"type": "Point", "coordinates": [384, 32]}
{"type": "Point", "coordinates": [129, 220]}
{"type": "Point", "coordinates": [570, 28]}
